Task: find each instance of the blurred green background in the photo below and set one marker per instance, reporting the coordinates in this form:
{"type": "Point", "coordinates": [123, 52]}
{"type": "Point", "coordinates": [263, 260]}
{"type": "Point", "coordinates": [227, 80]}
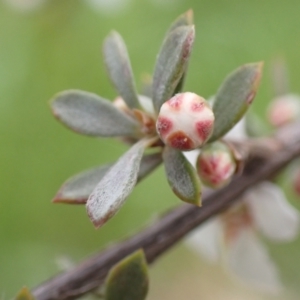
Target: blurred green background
{"type": "Point", "coordinates": [57, 47]}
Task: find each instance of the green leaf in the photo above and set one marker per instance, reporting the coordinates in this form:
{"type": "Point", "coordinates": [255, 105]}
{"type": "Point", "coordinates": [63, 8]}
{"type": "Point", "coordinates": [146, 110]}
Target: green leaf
{"type": "Point", "coordinates": [89, 114]}
{"type": "Point", "coordinates": [148, 164]}
{"type": "Point", "coordinates": [112, 191]}
{"type": "Point", "coordinates": [119, 68]}
{"type": "Point", "coordinates": [77, 189]}
{"type": "Point", "coordinates": [180, 84]}
{"type": "Point", "coordinates": [171, 63]}
{"type": "Point", "coordinates": [183, 20]}
{"type": "Point", "coordinates": [234, 98]}
{"type": "Point", "coordinates": [24, 294]}
{"type": "Point", "coordinates": [182, 176]}
{"type": "Point", "coordinates": [128, 280]}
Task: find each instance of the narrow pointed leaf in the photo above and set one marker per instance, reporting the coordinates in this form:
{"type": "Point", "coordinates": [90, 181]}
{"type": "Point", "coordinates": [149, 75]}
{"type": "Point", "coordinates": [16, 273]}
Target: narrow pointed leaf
{"type": "Point", "coordinates": [179, 86]}
{"type": "Point", "coordinates": [171, 63]}
{"type": "Point", "coordinates": [148, 164]}
{"type": "Point", "coordinates": [234, 98]}
{"type": "Point", "coordinates": [119, 68]}
{"type": "Point", "coordinates": [89, 114]}
{"type": "Point", "coordinates": [128, 280]}
{"type": "Point", "coordinates": [146, 85]}
{"type": "Point", "coordinates": [182, 177]}
{"type": "Point", "coordinates": [112, 191]}
{"type": "Point", "coordinates": [24, 294]}
{"type": "Point", "coordinates": [77, 189]}
{"type": "Point", "coordinates": [183, 20]}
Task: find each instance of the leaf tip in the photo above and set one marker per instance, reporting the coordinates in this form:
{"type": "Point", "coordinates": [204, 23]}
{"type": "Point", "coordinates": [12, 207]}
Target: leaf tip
{"type": "Point", "coordinates": [97, 222]}
{"type": "Point", "coordinates": [189, 16]}
{"type": "Point", "coordinates": [59, 198]}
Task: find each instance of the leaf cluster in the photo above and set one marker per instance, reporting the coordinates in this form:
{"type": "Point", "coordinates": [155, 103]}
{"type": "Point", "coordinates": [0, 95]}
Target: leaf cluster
{"type": "Point", "coordinates": [131, 117]}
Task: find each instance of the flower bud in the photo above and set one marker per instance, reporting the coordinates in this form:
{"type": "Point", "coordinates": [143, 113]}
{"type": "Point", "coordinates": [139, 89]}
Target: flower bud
{"type": "Point", "coordinates": [216, 165]}
{"type": "Point", "coordinates": [284, 109]}
{"type": "Point", "coordinates": [185, 122]}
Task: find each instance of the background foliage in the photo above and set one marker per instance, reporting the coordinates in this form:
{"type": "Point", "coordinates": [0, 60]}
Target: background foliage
{"type": "Point", "coordinates": [57, 48]}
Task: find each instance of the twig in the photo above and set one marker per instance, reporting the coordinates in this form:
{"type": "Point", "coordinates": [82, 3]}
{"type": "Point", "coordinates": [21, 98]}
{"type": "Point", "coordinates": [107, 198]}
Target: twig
{"type": "Point", "coordinates": [162, 235]}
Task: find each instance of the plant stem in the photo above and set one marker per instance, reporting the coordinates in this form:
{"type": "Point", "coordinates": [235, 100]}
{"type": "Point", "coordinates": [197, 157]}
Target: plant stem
{"type": "Point", "coordinates": [266, 158]}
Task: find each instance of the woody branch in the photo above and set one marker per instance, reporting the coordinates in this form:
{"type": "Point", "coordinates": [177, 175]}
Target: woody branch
{"type": "Point", "coordinates": [265, 157]}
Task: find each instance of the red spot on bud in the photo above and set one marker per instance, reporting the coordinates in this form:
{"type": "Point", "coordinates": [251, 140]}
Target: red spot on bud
{"type": "Point", "coordinates": [204, 129]}
{"type": "Point", "coordinates": [164, 126]}
{"type": "Point", "coordinates": [197, 106]}
{"type": "Point", "coordinates": [180, 141]}
{"type": "Point", "coordinates": [176, 102]}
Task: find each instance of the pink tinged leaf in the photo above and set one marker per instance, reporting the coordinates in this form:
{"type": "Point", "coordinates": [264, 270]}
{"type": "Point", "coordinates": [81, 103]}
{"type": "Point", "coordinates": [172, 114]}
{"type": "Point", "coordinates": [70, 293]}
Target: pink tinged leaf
{"type": "Point", "coordinates": [182, 177]}
{"type": "Point", "coordinates": [111, 192]}
{"type": "Point", "coordinates": [171, 63]}
{"type": "Point", "coordinates": [119, 68]}
{"type": "Point", "coordinates": [234, 97]}
{"type": "Point", "coordinates": [77, 189]}
{"type": "Point", "coordinates": [183, 20]}
{"type": "Point", "coordinates": [128, 279]}
{"type": "Point", "coordinates": [89, 114]}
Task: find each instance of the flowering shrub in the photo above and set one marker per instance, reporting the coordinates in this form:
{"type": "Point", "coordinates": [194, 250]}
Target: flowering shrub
{"type": "Point", "coordinates": [184, 121]}
{"type": "Point", "coordinates": [160, 127]}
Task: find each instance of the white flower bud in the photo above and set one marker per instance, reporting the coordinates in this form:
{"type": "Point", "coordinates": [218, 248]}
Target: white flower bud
{"type": "Point", "coordinates": [185, 122]}
{"type": "Point", "coordinates": [284, 109]}
{"type": "Point", "coordinates": [216, 165]}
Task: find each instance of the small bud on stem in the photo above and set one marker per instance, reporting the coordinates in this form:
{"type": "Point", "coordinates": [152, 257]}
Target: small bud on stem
{"type": "Point", "coordinates": [216, 165]}
{"type": "Point", "coordinates": [185, 122]}
{"type": "Point", "coordinates": [284, 109]}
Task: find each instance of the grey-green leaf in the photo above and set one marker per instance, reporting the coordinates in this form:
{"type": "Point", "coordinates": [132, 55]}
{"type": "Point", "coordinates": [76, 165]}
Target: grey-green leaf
{"type": "Point", "coordinates": [234, 97]}
{"type": "Point", "coordinates": [119, 68]}
{"type": "Point", "coordinates": [111, 192]}
{"type": "Point", "coordinates": [183, 20]}
{"type": "Point", "coordinates": [128, 279]}
{"type": "Point", "coordinates": [182, 176]}
{"type": "Point", "coordinates": [171, 63]}
{"type": "Point", "coordinates": [77, 189]}
{"type": "Point", "coordinates": [89, 114]}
